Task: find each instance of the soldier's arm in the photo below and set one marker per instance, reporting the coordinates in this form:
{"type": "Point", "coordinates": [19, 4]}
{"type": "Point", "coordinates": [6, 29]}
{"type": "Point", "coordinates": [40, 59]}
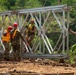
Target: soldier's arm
{"type": "Point", "coordinates": [34, 29]}
{"type": "Point", "coordinates": [22, 37]}
{"type": "Point", "coordinates": [11, 37]}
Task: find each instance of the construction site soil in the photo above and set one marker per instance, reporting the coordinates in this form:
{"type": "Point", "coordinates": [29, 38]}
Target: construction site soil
{"type": "Point", "coordinates": [36, 67]}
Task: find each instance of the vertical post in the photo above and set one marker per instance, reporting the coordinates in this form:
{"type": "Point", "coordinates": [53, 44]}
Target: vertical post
{"type": "Point", "coordinates": [20, 22]}
{"type": "Point", "coordinates": [40, 18]}
{"type": "Point", "coordinates": [18, 18]}
{"type": "Point", "coordinates": [67, 32]}
{"type": "Point", "coordinates": [63, 31]}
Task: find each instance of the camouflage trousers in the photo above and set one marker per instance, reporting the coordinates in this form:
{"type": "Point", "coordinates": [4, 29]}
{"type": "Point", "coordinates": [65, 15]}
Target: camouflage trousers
{"type": "Point", "coordinates": [16, 52]}
{"type": "Point", "coordinates": [30, 38]}
{"type": "Point", "coordinates": [7, 49]}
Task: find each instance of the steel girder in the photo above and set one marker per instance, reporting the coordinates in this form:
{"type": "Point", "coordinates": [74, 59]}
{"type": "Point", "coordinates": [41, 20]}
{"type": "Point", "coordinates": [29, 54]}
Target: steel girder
{"type": "Point", "coordinates": [43, 18]}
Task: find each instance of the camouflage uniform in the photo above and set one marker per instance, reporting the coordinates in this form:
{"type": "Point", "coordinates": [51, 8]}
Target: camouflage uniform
{"type": "Point", "coordinates": [30, 34]}
{"type": "Point", "coordinates": [6, 43]}
{"type": "Point", "coordinates": [15, 42]}
{"type": "Point", "coordinates": [6, 52]}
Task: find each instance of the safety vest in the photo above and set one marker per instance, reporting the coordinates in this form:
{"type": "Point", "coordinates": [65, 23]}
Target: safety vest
{"type": "Point", "coordinates": [14, 33]}
{"type": "Point", "coordinates": [6, 38]}
{"type": "Point", "coordinates": [30, 27]}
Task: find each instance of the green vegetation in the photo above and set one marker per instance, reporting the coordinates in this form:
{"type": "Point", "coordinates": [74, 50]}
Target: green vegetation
{"type": "Point", "coordinates": [72, 54]}
{"type": "Point", "coordinates": [25, 4]}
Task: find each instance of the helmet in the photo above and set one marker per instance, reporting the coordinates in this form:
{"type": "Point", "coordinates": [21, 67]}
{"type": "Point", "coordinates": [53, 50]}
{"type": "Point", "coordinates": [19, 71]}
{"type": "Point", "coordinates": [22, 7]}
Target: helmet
{"type": "Point", "coordinates": [9, 27]}
{"type": "Point", "coordinates": [15, 24]}
{"type": "Point", "coordinates": [32, 19]}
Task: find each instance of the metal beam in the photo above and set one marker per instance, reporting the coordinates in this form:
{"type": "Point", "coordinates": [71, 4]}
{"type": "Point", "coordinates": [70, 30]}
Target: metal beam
{"type": "Point", "coordinates": [43, 56]}
{"type": "Point", "coordinates": [59, 7]}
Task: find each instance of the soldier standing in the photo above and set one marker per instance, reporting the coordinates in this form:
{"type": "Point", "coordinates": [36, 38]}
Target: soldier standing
{"type": "Point", "coordinates": [15, 42]}
{"type": "Point", "coordinates": [30, 32]}
{"type": "Point", "coordinates": [6, 42]}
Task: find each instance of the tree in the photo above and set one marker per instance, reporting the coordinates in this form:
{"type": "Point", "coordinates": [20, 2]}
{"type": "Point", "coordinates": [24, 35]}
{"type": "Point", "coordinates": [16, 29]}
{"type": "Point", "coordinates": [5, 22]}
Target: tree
{"type": "Point", "coordinates": [32, 4]}
{"type": "Point", "coordinates": [19, 4]}
{"type": "Point", "coordinates": [7, 4]}
{"type": "Point", "coordinates": [47, 2]}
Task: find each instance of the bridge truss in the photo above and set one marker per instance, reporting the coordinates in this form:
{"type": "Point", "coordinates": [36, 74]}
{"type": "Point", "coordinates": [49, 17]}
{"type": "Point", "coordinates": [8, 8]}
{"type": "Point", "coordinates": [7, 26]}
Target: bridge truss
{"type": "Point", "coordinates": [44, 18]}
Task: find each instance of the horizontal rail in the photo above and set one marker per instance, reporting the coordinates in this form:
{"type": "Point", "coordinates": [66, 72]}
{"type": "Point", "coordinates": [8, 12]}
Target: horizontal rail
{"type": "Point", "coordinates": [43, 56]}
{"type": "Point", "coordinates": [29, 55]}
{"type": "Point", "coordinates": [47, 8]}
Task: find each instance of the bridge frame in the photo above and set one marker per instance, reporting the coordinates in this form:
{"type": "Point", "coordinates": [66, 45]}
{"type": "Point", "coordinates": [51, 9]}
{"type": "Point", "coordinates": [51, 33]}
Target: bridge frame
{"type": "Point", "coordinates": [39, 14]}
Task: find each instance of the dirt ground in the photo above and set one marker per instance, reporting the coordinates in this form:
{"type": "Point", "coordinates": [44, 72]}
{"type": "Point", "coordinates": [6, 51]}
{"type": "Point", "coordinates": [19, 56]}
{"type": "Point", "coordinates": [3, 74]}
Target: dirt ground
{"type": "Point", "coordinates": [34, 67]}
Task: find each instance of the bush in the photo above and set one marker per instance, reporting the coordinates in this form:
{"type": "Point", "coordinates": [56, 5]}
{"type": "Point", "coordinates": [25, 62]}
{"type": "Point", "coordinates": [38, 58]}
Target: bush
{"type": "Point", "coordinates": [72, 54]}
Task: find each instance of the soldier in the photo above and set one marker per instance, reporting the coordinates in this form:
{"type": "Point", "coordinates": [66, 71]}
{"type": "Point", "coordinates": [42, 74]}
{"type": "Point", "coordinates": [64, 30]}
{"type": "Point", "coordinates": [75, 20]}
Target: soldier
{"type": "Point", "coordinates": [15, 42]}
{"type": "Point", "coordinates": [6, 42]}
{"type": "Point", "coordinates": [30, 32]}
